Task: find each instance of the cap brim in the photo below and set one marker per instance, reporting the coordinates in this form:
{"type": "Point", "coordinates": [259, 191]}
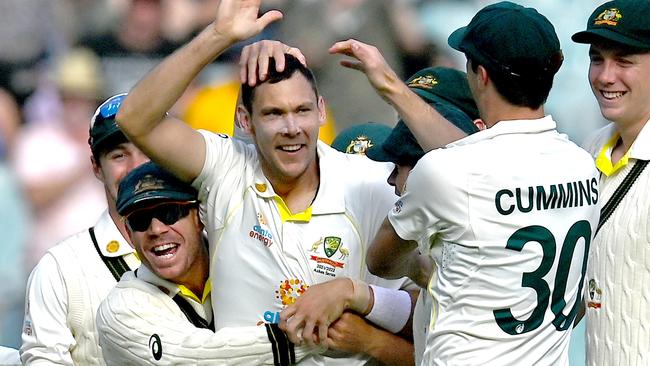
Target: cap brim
{"type": "Point", "coordinates": [456, 38]}
{"type": "Point", "coordinates": [378, 153]}
{"type": "Point", "coordinates": [600, 34]}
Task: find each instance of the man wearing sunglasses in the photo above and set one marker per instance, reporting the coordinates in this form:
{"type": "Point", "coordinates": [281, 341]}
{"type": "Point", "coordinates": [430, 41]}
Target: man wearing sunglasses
{"type": "Point", "coordinates": [161, 313]}
{"type": "Point", "coordinates": [70, 281]}
{"type": "Point", "coordinates": [283, 214]}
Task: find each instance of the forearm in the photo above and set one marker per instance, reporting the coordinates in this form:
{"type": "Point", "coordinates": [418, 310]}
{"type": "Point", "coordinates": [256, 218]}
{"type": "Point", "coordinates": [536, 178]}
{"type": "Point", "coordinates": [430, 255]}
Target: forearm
{"type": "Point", "coordinates": [390, 349]}
{"type": "Point", "coordinates": [156, 93]}
{"type": "Point", "coordinates": [127, 336]}
{"type": "Point", "coordinates": [431, 129]}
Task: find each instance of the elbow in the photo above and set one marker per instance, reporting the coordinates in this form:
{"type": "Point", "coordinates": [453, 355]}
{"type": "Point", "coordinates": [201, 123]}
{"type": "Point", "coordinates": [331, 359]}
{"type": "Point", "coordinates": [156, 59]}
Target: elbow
{"type": "Point", "coordinates": [377, 265]}
{"type": "Point", "coordinates": [123, 117]}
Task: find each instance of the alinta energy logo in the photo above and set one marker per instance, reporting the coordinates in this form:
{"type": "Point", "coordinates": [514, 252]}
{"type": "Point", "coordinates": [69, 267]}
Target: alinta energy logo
{"type": "Point", "coordinates": [263, 235]}
{"type": "Point", "coordinates": [290, 290]}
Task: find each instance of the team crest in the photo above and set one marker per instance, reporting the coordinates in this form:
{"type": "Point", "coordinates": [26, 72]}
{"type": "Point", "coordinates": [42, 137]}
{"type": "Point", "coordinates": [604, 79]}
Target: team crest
{"type": "Point", "coordinates": [359, 145]}
{"type": "Point", "coordinates": [609, 17]}
{"type": "Point", "coordinates": [331, 244]}
{"type": "Point", "coordinates": [148, 183]}
{"type": "Point", "coordinates": [423, 82]}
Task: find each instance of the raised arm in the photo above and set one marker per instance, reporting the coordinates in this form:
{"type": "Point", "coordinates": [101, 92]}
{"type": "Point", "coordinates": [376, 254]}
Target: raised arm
{"type": "Point", "coordinates": [430, 129]}
{"type": "Point", "coordinates": [143, 117]}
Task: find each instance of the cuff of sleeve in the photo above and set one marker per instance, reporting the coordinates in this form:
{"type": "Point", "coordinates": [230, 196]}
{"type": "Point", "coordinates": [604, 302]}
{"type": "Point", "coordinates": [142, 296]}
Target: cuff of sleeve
{"type": "Point", "coordinates": [391, 310]}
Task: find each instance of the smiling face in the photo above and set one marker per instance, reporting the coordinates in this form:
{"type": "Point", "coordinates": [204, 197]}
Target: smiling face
{"type": "Point", "coordinates": [284, 123]}
{"type": "Point", "coordinates": [114, 164]}
{"type": "Point", "coordinates": [619, 80]}
{"type": "Point", "coordinates": [173, 251]}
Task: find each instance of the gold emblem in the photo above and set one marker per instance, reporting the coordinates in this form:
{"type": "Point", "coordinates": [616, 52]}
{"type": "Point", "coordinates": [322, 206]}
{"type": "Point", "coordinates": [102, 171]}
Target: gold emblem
{"type": "Point", "coordinates": [148, 183]}
{"type": "Point", "coordinates": [113, 246]}
{"type": "Point", "coordinates": [423, 82]}
{"type": "Point", "coordinates": [261, 187]}
{"type": "Point", "coordinates": [609, 16]}
{"type": "Point", "coordinates": [359, 145]}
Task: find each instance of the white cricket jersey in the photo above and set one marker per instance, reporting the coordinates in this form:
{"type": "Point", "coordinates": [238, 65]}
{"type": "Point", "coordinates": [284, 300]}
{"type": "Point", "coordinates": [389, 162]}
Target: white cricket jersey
{"type": "Point", "coordinates": [63, 293]}
{"type": "Point", "coordinates": [618, 274]}
{"type": "Point", "coordinates": [259, 263]}
{"type": "Point", "coordinates": [513, 209]}
{"type": "Point", "coordinates": [140, 324]}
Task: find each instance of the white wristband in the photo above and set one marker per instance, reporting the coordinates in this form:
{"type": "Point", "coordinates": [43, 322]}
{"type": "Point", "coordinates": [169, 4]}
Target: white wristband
{"type": "Point", "coordinates": [391, 310]}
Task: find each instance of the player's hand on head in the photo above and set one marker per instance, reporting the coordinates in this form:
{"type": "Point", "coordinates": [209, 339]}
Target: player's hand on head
{"type": "Point", "coordinates": [309, 318]}
{"type": "Point", "coordinates": [367, 59]}
{"type": "Point", "coordinates": [238, 20]}
{"type": "Point", "coordinates": [254, 60]}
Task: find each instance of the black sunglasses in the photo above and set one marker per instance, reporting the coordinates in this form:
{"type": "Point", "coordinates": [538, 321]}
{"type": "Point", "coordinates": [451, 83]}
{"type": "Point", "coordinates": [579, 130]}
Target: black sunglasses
{"type": "Point", "coordinates": [167, 213]}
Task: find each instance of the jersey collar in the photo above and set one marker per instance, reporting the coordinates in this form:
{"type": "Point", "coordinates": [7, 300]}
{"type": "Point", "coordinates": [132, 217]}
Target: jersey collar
{"type": "Point", "coordinates": [532, 126]}
{"type": "Point", "coordinates": [329, 198]}
{"type": "Point", "coordinates": [640, 150]}
{"type": "Point", "coordinates": [170, 288]}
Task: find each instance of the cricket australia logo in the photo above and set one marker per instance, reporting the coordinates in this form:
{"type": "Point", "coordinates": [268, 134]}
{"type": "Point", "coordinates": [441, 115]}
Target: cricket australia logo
{"type": "Point", "coordinates": [359, 145]}
{"type": "Point", "coordinates": [609, 17]}
{"type": "Point", "coordinates": [148, 183]}
{"type": "Point", "coordinates": [331, 244]}
{"type": "Point", "coordinates": [423, 82]}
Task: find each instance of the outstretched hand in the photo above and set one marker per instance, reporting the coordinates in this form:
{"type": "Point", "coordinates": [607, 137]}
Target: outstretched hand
{"type": "Point", "coordinates": [369, 61]}
{"type": "Point", "coordinates": [254, 60]}
{"type": "Point", "coordinates": [238, 20]}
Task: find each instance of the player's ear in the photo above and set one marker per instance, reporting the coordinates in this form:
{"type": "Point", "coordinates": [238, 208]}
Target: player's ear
{"type": "Point", "coordinates": [482, 74]}
{"type": "Point", "coordinates": [244, 118]}
{"type": "Point", "coordinates": [97, 169]}
{"type": "Point", "coordinates": [480, 124]}
{"type": "Point", "coordinates": [322, 113]}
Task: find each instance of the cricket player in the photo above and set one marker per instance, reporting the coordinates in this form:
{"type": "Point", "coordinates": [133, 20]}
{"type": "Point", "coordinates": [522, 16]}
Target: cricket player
{"type": "Point", "coordinates": [618, 274]}
{"type": "Point", "coordinates": [282, 214]}
{"type": "Point", "coordinates": [160, 314]}
{"type": "Point", "coordinates": [508, 213]}
{"type": "Point", "coordinates": [446, 90]}
{"type": "Point", "coordinates": [67, 285]}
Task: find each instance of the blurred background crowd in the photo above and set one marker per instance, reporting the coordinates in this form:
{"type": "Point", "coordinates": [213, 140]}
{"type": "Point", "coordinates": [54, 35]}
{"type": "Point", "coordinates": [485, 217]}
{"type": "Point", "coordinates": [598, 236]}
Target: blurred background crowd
{"type": "Point", "coordinates": [60, 58]}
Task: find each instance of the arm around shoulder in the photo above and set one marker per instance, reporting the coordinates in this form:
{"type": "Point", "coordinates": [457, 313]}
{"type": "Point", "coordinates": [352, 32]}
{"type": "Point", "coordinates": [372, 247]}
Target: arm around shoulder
{"type": "Point", "coordinates": [140, 328]}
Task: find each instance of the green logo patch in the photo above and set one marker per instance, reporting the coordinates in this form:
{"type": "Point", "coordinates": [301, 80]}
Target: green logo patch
{"type": "Point", "coordinates": [331, 245]}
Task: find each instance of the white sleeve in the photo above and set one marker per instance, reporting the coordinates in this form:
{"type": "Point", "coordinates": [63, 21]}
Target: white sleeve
{"type": "Point", "coordinates": [433, 194]}
{"type": "Point", "coordinates": [46, 336]}
{"type": "Point", "coordinates": [138, 328]}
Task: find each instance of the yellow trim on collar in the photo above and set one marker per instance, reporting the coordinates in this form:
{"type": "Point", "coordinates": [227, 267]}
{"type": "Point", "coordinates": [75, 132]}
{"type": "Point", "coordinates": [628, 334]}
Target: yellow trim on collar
{"type": "Point", "coordinates": [604, 160]}
{"type": "Point", "coordinates": [188, 293]}
{"type": "Point", "coordinates": [286, 214]}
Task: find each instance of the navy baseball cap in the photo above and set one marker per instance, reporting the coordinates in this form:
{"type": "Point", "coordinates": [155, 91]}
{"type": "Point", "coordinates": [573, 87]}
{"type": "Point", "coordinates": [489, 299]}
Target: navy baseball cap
{"type": "Point", "coordinates": [149, 184]}
{"type": "Point", "coordinates": [444, 84]}
{"type": "Point", "coordinates": [511, 40]}
{"type": "Point", "coordinates": [361, 138]}
{"type": "Point", "coordinates": [624, 22]}
{"type": "Point", "coordinates": [401, 147]}
{"type": "Point", "coordinates": [103, 127]}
